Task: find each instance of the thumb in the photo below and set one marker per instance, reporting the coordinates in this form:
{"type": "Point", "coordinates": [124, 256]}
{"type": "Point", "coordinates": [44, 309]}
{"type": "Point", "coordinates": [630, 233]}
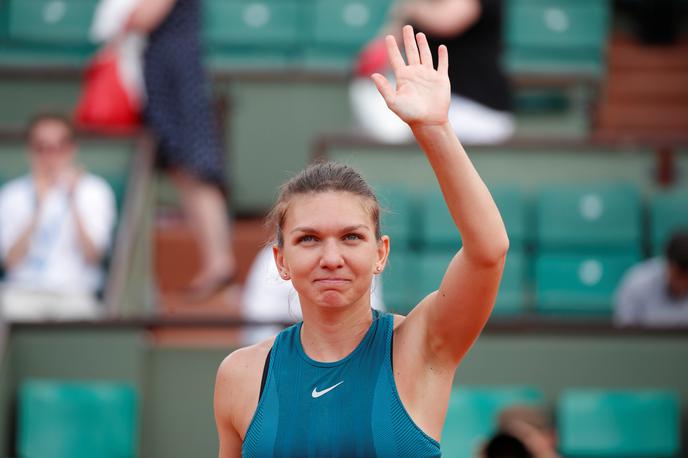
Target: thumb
{"type": "Point", "coordinates": [384, 87]}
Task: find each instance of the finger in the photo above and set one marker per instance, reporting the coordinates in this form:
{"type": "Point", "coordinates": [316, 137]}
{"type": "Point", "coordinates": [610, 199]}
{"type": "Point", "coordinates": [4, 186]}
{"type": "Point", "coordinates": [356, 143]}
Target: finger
{"type": "Point", "coordinates": [424, 49]}
{"type": "Point", "coordinates": [384, 87]}
{"type": "Point", "coordinates": [443, 60]}
{"type": "Point", "coordinates": [410, 47]}
{"type": "Point", "coordinates": [395, 59]}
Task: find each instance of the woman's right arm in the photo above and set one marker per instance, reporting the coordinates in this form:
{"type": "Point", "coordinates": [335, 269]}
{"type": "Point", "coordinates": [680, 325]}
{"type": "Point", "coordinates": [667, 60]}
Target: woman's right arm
{"type": "Point", "coordinates": [225, 390]}
{"type": "Point", "coordinates": [237, 389]}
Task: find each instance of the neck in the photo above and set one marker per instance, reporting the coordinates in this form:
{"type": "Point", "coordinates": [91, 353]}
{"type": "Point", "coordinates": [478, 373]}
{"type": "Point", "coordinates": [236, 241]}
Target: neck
{"type": "Point", "coordinates": [328, 335]}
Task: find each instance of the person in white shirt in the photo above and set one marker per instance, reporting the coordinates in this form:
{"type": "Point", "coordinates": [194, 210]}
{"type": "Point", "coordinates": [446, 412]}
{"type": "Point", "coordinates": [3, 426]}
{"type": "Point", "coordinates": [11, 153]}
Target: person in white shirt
{"type": "Point", "coordinates": [654, 293]}
{"type": "Point", "coordinates": [55, 227]}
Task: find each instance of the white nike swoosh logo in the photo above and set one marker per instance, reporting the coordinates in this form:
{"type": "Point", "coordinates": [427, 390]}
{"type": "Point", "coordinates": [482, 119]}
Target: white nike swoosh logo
{"type": "Point", "coordinates": [317, 394]}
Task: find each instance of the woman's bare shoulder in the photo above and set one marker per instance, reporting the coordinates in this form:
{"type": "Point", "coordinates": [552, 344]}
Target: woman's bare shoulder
{"type": "Point", "coordinates": [237, 386]}
{"type": "Point", "coordinates": [246, 363]}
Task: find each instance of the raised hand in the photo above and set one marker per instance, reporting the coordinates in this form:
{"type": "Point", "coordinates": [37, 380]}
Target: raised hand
{"type": "Point", "coordinates": [422, 94]}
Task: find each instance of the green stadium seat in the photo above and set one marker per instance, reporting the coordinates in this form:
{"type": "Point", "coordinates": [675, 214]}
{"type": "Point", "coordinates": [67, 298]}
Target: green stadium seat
{"type": "Point", "coordinates": [51, 21]}
{"type": "Point", "coordinates": [473, 412]}
{"type": "Point", "coordinates": [397, 215]}
{"type": "Point", "coordinates": [668, 212]}
{"type": "Point", "coordinates": [597, 423]}
{"type": "Point", "coordinates": [512, 205]}
{"type": "Point", "coordinates": [556, 36]}
{"type": "Point", "coordinates": [340, 28]}
{"type": "Point", "coordinates": [512, 290]}
{"type": "Point", "coordinates": [58, 419]}
{"type": "Point", "coordinates": [398, 281]}
{"type": "Point", "coordinates": [578, 283]}
{"type": "Point", "coordinates": [46, 31]}
{"type": "Point", "coordinates": [589, 218]}
{"type": "Point", "coordinates": [437, 228]}
{"type": "Point", "coordinates": [410, 276]}
{"type": "Point", "coordinates": [253, 33]}
{"type": "Point", "coordinates": [431, 266]}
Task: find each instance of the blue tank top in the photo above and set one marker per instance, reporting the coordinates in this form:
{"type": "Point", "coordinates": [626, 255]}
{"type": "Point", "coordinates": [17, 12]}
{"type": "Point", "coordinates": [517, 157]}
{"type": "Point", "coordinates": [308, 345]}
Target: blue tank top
{"type": "Point", "coordinates": [347, 408]}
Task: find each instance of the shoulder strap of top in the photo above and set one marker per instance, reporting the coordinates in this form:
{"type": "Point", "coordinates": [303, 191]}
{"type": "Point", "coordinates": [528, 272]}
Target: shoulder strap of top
{"type": "Point", "coordinates": [266, 367]}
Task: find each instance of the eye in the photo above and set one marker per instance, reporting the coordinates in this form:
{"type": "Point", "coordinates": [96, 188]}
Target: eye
{"type": "Point", "coordinates": [306, 239]}
{"type": "Point", "coordinates": [353, 237]}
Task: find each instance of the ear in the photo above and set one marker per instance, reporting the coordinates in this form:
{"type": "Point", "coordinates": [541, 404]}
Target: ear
{"type": "Point", "coordinates": [382, 254]}
{"type": "Point", "coordinates": [279, 262]}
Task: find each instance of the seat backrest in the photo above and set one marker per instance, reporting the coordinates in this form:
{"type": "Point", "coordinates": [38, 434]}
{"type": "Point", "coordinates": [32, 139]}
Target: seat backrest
{"type": "Point", "coordinates": [591, 218]}
{"type": "Point", "coordinates": [253, 24]}
{"type": "Point", "coordinates": [399, 281]}
{"type": "Point", "coordinates": [62, 22]}
{"type": "Point", "coordinates": [59, 419]}
{"type": "Point", "coordinates": [513, 207]}
{"type": "Point", "coordinates": [398, 215]}
{"type": "Point", "coordinates": [473, 412]}
{"type": "Point", "coordinates": [347, 23]}
{"type": "Point", "coordinates": [599, 423]}
{"type": "Point", "coordinates": [265, 34]}
{"type": "Point", "coordinates": [339, 29]}
{"type": "Point", "coordinates": [512, 289]}
{"type": "Point", "coordinates": [437, 228]}
{"type": "Point", "coordinates": [546, 36]}
{"type": "Point", "coordinates": [579, 283]}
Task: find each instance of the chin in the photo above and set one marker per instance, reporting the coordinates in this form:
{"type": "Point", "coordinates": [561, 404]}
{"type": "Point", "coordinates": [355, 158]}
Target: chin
{"type": "Point", "coordinates": [328, 301]}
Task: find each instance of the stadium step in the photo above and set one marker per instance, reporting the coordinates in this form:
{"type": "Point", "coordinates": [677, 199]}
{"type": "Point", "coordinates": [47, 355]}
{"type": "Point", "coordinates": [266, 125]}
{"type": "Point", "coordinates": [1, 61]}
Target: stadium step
{"type": "Point", "coordinates": [177, 259]}
{"type": "Point", "coordinates": [645, 92]}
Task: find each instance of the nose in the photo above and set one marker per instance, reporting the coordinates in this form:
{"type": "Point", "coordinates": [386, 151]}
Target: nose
{"type": "Point", "coordinates": [331, 257]}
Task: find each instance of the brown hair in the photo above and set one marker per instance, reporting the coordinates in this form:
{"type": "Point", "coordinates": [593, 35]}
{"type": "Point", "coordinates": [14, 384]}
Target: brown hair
{"type": "Point", "coordinates": [323, 177]}
{"type": "Point", "coordinates": [49, 116]}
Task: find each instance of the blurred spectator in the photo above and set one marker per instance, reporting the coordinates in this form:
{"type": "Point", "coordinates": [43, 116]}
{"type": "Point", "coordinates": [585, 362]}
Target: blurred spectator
{"type": "Point", "coordinates": [522, 432]}
{"type": "Point", "coordinates": [269, 298]}
{"type": "Point", "coordinates": [178, 112]}
{"type": "Point", "coordinates": [55, 226]}
{"type": "Point", "coordinates": [655, 292]}
{"type": "Point", "coordinates": [481, 105]}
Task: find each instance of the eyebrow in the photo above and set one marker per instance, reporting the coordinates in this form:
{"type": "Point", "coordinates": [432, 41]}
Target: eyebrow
{"type": "Point", "coordinates": [346, 229]}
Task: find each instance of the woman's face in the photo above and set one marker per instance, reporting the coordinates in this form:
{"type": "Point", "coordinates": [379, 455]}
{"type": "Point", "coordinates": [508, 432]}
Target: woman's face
{"type": "Point", "coordinates": [330, 252]}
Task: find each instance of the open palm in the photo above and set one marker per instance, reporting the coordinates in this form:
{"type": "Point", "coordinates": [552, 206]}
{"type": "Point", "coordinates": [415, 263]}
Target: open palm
{"type": "Point", "coordinates": [422, 94]}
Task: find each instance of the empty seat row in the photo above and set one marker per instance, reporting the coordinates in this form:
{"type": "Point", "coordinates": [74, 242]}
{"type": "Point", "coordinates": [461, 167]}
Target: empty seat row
{"type": "Point", "coordinates": [563, 218]}
{"type": "Point", "coordinates": [560, 284]}
{"type": "Point", "coordinates": [570, 245]}
{"type": "Point", "coordinates": [541, 36]}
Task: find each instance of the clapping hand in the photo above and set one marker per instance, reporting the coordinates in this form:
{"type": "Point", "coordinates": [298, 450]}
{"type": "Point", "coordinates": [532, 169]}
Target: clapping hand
{"type": "Point", "coordinates": [422, 94]}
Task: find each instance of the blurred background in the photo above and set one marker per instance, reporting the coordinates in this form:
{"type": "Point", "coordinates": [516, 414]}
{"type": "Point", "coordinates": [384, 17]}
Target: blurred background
{"type": "Point", "coordinates": [591, 181]}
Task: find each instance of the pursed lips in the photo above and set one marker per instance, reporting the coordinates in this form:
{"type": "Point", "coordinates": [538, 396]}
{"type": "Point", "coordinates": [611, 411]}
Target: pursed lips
{"type": "Point", "coordinates": [331, 281]}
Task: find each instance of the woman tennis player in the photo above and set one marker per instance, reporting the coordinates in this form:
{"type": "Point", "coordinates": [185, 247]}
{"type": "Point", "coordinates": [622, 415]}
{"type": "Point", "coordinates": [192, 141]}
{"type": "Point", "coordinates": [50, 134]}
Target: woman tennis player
{"type": "Point", "coordinates": [350, 381]}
